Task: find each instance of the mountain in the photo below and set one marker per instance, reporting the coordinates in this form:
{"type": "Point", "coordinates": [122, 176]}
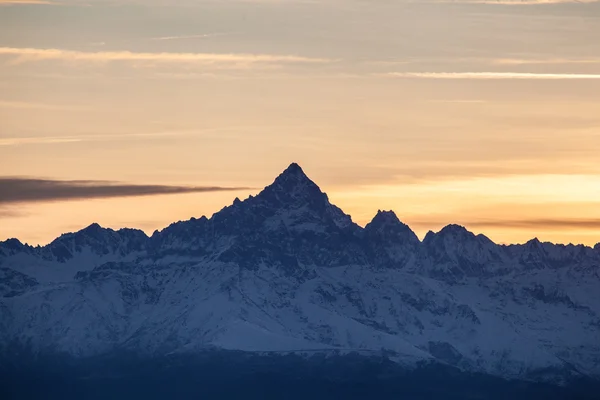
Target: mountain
{"type": "Point", "coordinates": [291, 224]}
{"type": "Point", "coordinates": [391, 243]}
{"type": "Point", "coordinates": [454, 253]}
{"type": "Point", "coordinates": [286, 271]}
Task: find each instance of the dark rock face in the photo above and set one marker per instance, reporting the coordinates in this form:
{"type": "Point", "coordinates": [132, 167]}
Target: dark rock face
{"type": "Point", "coordinates": [101, 241]}
{"type": "Point", "coordinates": [291, 223]}
{"type": "Point", "coordinates": [537, 255]}
{"type": "Point", "coordinates": [455, 253]}
{"type": "Point", "coordinates": [13, 246]}
{"type": "Point", "coordinates": [391, 244]}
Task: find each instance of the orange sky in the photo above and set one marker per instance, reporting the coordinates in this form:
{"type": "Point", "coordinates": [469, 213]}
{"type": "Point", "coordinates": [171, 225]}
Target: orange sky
{"type": "Point", "coordinates": [486, 115]}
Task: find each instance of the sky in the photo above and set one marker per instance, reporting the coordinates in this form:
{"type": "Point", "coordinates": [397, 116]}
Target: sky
{"type": "Point", "coordinates": [141, 113]}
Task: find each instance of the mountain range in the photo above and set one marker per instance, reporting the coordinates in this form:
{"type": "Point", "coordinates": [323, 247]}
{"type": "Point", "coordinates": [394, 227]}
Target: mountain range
{"type": "Point", "coordinates": [286, 271]}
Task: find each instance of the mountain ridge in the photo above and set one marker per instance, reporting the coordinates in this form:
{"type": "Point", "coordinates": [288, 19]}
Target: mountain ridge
{"type": "Point", "coordinates": [293, 174]}
{"type": "Point", "coordinates": [286, 270]}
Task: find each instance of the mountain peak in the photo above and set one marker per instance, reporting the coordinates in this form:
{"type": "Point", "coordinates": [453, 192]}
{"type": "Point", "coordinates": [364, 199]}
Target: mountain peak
{"type": "Point", "coordinates": [293, 186]}
{"type": "Point", "coordinates": [388, 221]}
{"type": "Point", "coordinates": [292, 175]}
{"type": "Point", "coordinates": [12, 246]}
{"type": "Point", "coordinates": [448, 231]}
{"type": "Point", "coordinates": [393, 241]}
{"type": "Point", "coordinates": [384, 217]}
{"type": "Point", "coordinates": [294, 168]}
{"type": "Point", "coordinates": [93, 227]}
{"type": "Point", "coordinates": [454, 228]}
{"type": "Point", "coordinates": [11, 242]}
{"type": "Point", "coordinates": [94, 231]}
{"type": "Point", "coordinates": [454, 233]}
{"type": "Point", "coordinates": [463, 232]}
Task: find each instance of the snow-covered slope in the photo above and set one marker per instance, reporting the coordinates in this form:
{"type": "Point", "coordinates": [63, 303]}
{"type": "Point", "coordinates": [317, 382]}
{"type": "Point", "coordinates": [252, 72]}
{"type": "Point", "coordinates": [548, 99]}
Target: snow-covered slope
{"type": "Point", "coordinates": [287, 271]}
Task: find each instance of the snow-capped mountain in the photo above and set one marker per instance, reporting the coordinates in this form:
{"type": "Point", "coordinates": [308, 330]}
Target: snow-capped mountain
{"type": "Point", "coordinates": [287, 271]}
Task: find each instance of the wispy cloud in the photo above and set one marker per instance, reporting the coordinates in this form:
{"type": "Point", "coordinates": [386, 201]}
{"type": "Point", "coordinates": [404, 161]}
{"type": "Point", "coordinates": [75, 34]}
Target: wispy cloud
{"type": "Point", "coordinates": [38, 106]}
{"type": "Point", "coordinates": [23, 190]}
{"type": "Point", "coordinates": [16, 141]}
{"type": "Point", "coordinates": [10, 213]}
{"type": "Point", "coordinates": [19, 141]}
{"type": "Point", "coordinates": [488, 75]}
{"type": "Point", "coordinates": [505, 61]}
{"type": "Point", "coordinates": [17, 2]}
{"type": "Point", "coordinates": [220, 131]}
{"type": "Point", "coordinates": [184, 37]}
{"type": "Point", "coordinates": [555, 61]}
{"type": "Point", "coordinates": [458, 101]}
{"type": "Point", "coordinates": [511, 2]}
{"type": "Point", "coordinates": [27, 54]}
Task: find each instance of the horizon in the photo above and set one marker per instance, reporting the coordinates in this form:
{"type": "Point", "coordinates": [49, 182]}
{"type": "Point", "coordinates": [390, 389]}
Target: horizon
{"type": "Point", "coordinates": [138, 114]}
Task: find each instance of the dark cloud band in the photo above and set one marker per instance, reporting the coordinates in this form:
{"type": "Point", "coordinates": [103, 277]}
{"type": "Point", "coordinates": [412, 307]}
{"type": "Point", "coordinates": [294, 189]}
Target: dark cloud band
{"type": "Point", "coordinates": [20, 190]}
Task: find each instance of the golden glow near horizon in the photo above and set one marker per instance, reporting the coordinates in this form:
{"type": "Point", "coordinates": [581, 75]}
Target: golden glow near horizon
{"type": "Point", "coordinates": [485, 114]}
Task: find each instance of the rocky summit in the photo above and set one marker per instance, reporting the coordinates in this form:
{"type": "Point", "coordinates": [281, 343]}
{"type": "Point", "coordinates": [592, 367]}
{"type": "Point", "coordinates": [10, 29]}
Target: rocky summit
{"type": "Point", "coordinates": [286, 272]}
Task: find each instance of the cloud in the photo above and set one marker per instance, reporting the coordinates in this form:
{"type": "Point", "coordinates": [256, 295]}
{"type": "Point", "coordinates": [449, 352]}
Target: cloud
{"type": "Point", "coordinates": [28, 54]}
{"type": "Point", "coordinates": [10, 213]}
{"type": "Point", "coordinates": [533, 224]}
{"type": "Point", "coordinates": [543, 223]}
{"type": "Point", "coordinates": [19, 141]}
{"type": "Point", "coordinates": [458, 101]}
{"type": "Point", "coordinates": [512, 2]}
{"type": "Point", "coordinates": [39, 140]}
{"type": "Point", "coordinates": [542, 61]}
{"type": "Point", "coordinates": [38, 106]}
{"type": "Point", "coordinates": [17, 2]}
{"type": "Point", "coordinates": [488, 75]}
{"type": "Point", "coordinates": [22, 190]}
{"type": "Point", "coordinates": [183, 37]}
